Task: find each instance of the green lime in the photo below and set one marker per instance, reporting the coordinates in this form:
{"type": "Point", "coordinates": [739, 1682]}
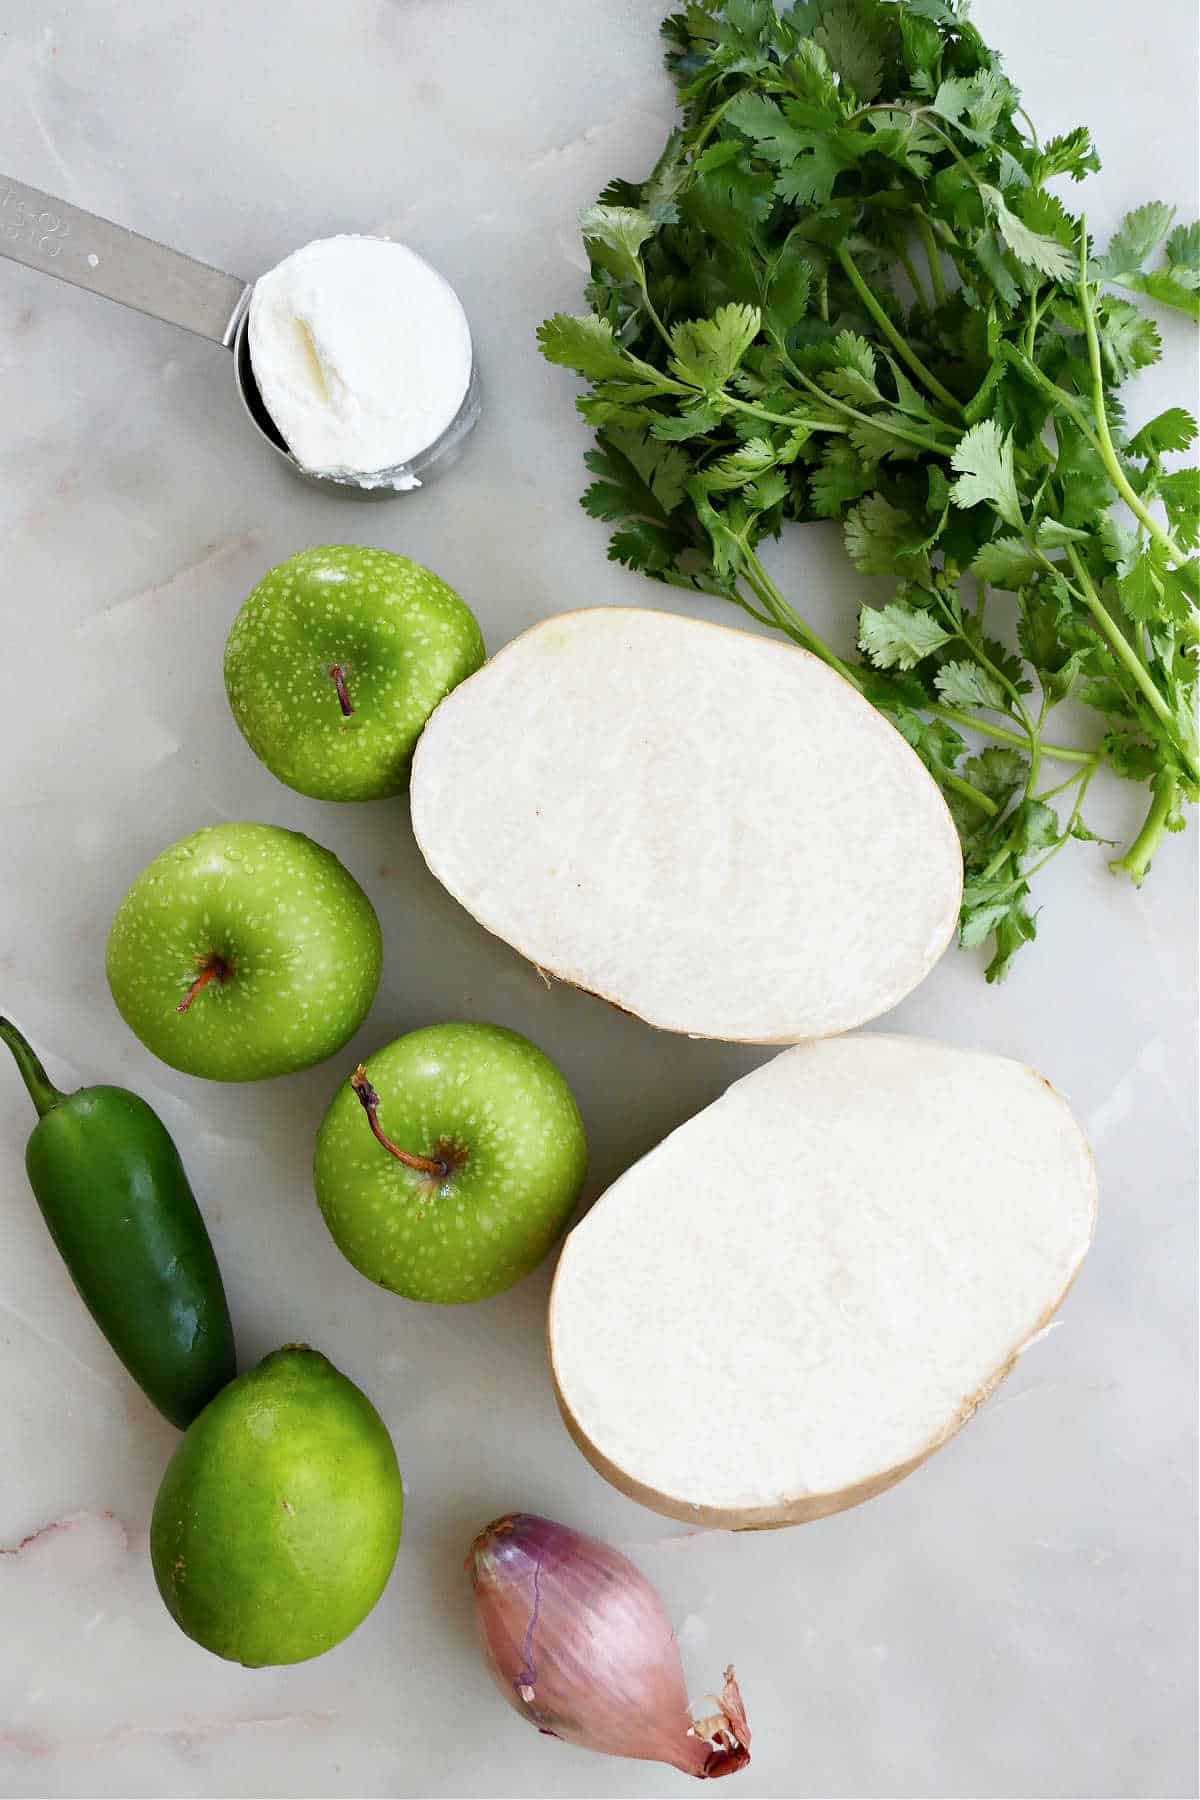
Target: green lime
{"type": "Point", "coordinates": [278, 1518]}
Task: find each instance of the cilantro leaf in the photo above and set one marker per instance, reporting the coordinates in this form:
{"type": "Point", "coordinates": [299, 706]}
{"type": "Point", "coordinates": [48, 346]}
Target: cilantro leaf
{"type": "Point", "coordinates": [992, 260]}
{"type": "Point", "coordinates": [694, 422]}
{"type": "Point", "coordinates": [615, 235]}
{"type": "Point", "coordinates": [1053, 534]}
{"type": "Point", "coordinates": [880, 537]}
{"type": "Point", "coordinates": [1177, 281]}
{"type": "Point", "coordinates": [984, 461]}
{"type": "Point", "coordinates": [842, 476]}
{"type": "Point", "coordinates": [768, 124]}
{"type": "Point", "coordinates": [906, 139]}
{"type": "Point", "coordinates": [1018, 927]}
{"type": "Point", "coordinates": [885, 324]}
{"type": "Point", "coordinates": [788, 286]}
{"type": "Point", "coordinates": [1128, 339]}
{"type": "Point", "coordinates": [1174, 429]}
{"type": "Point", "coordinates": [586, 345]}
{"type": "Point", "coordinates": [975, 105]}
{"type": "Point", "coordinates": [660, 469]}
{"type": "Point", "coordinates": [1140, 233]}
{"type": "Point", "coordinates": [727, 199]}
{"type": "Point", "coordinates": [898, 636]}
{"type": "Point", "coordinates": [1161, 285]}
{"type": "Point", "coordinates": [967, 684]}
{"type": "Point", "coordinates": [1081, 477]}
{"type": "Point", "coordinates": [922, 43]}
{"type": "Point", "coordinates": [1071, 154]}
{"type": "Point", "coordinates": [1035, 827]}
{"type": "Point", "coordinates": [742, 465]}
{"type": "Point", "coordinates": [980, 919]}
{"type": "Point", "coordinates": [640, 544]}
{"type": "Point", "coordinates": [849, 34]}
{"type": "Point", "coordinates": [1180, 491]}
{"type": "Point", "coordinates": [1006, 563]}
{"type": "Point", "coordinates": [997, 773]}
{"type": "Point", "coordinates": [707, 351]}
{"type": "Point", "coordinates": [853, 378]}
{"type": "Point", "coordinates": [1140, 592]}
{"type": "Point", "coordinates": [808, 181]}
{"type": "Point", "coordinates": [1036, 251]}
{"type": "Point", "coordinates": [1183, 255]}
{"type": "Point", "coordinates": [810, 76]}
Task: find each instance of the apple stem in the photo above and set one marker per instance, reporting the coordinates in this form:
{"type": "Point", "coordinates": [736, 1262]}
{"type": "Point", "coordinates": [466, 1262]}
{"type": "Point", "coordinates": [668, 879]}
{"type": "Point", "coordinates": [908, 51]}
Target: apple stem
{"type": "Point", "coordinates": [338, 677]}
{"type": "Point", "coordinates": [427, 1165]}
{"type": "Point", "coordinates": [212, 968]}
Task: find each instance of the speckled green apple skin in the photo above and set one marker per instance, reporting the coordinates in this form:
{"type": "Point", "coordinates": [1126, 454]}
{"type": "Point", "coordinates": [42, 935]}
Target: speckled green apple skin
{"type": "Point", "coordinates": [495, 1095]}
{"type": "Point", "coordinates": [299, 934]}
{"type": "Point", "coordinates": [401, 636]}
{"type": "Point", "coordinates": [278, 1518]}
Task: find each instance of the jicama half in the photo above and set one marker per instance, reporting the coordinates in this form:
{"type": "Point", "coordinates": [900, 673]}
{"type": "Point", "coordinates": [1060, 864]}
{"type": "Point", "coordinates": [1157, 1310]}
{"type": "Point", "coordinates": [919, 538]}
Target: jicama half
{"type": "Point", "coordinates": [711, 829]}
{"type": "Point", "coordinates": [807, 1288]}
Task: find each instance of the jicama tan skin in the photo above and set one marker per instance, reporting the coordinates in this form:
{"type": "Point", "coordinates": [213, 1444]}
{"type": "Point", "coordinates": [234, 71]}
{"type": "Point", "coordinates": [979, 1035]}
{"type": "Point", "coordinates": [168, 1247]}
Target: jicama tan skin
{"type": "Point", "coordinates": [708, 828]}
{"type": "Point", "coordinates": [807, 1288]}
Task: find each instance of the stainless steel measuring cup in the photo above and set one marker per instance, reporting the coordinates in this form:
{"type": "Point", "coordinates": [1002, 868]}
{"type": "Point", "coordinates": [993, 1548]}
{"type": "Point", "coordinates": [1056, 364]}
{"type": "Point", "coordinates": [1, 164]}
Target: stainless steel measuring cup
{"type": "Point", "coordinates": [58, 239]}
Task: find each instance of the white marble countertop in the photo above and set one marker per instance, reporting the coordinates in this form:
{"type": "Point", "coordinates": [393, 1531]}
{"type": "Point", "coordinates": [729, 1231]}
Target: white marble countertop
{"type": "Point", "coordinates": [1016, 1619]}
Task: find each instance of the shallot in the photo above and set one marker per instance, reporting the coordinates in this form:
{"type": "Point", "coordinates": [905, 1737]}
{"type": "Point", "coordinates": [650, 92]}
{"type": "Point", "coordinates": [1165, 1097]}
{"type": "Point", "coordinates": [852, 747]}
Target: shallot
{"type": "Point", "coordinates": [580, 1644]}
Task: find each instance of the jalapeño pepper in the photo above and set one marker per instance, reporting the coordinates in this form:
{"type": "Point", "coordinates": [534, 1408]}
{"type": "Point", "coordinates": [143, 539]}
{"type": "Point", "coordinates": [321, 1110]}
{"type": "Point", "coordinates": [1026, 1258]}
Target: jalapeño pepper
{"type": "Point", "coordinates": [110, 1185]}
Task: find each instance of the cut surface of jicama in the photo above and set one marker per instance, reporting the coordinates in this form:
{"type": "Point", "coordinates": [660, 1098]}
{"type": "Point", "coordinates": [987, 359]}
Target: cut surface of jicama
{"type": "Point", "coordinates": [710, 829]}
{"type": "Point", "coordinates": [808, 1287]}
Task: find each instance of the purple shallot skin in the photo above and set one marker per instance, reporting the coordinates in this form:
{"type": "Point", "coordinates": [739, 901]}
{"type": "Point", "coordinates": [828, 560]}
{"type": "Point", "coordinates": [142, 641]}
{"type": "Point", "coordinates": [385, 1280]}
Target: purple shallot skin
{"type": "Point", "coordinates": [579, 1643]}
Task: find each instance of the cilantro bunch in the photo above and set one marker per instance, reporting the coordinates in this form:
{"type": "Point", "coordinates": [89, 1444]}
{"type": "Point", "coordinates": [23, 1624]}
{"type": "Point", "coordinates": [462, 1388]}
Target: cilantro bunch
{"type": "Point", "coordinates": [846, 291]}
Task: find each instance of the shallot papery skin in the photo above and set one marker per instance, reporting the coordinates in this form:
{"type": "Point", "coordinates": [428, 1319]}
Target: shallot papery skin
{"type": "Point", "coordinates": [579, 1643]}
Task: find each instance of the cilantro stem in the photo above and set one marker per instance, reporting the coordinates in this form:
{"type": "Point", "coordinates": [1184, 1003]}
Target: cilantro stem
{"type": "Point", "coordinates": [1105, 445]}
{"type": "Point", "coordinates": [903, 432]}
{"type": "Point", "coordinates": [649, 309]}
{"type": "Point", "coordinates": [710, 124]}
{"type": "Point", "coordinates": [1033, 132]}
{"type": "Point", "coordinates": [910, 269]}
{"type": "Point", "coordinates": [1011, 353]}
{"type": "Point", "coordinates": [933, 257]}
{"type": "Point", "coordinates": [1049, 793]}
{"type": "Point", "coordinates": [981, 656]}
{"type": "Point", "coordinates": [977, 798]}
{"type": "Point", "coordinates": [1023, 876]}
{"type": "Point", "coordinates": [1095, 431]}
{"type": "Point", "coordinates": [1136, 861]}
{"type": "Point", "coordinates": [997, 863]}
{"type": "Point", "coordinates": [1032, 323]}
{"type": "Point", "coordinates": [792, 419]}
{"type": "Point", "coordinates": [1035, 747]}
{"type": "Point", "coordinates": [1067, 828]}
{"type": "Point", "coordinates": [1057, 752]}
{"type": "Point", "coordinates": [1124, 650]}
{"type": "Point", "coordinates": [731, 593]}
{"type": "Point", "coordinates": [896, 339]}
{"type": "Point", "coordinates": [764, 588]}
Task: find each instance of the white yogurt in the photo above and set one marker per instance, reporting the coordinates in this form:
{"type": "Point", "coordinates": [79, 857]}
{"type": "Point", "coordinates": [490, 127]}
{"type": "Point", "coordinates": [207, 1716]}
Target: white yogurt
{"type": "Point", "coordinates": [362, 355]}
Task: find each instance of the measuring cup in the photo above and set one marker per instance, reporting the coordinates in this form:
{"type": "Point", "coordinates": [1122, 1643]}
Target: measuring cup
{"type": "Point", "coordinates": [89, 252]}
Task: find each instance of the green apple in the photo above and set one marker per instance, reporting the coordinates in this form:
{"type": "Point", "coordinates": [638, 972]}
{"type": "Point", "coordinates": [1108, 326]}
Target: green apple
{"type": "Point", "coordinates": [244, 951]}
{"type": "Point", "coordinates": [447, 1168]}
{"type": "Point", "coordinates": [336, 661]}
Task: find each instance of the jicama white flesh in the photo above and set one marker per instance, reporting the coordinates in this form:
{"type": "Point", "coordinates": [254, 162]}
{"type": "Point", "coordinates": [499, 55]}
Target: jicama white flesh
{"type": "Point", "coordinates": [806, 1289]}
{"type": "Point", "coordinates": [711, 829]}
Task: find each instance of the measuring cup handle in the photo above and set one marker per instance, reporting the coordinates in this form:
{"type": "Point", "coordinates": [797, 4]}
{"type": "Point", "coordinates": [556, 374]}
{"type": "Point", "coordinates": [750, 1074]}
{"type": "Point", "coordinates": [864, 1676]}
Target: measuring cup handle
{"type": "Point", "coordinates": [92, 253]}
